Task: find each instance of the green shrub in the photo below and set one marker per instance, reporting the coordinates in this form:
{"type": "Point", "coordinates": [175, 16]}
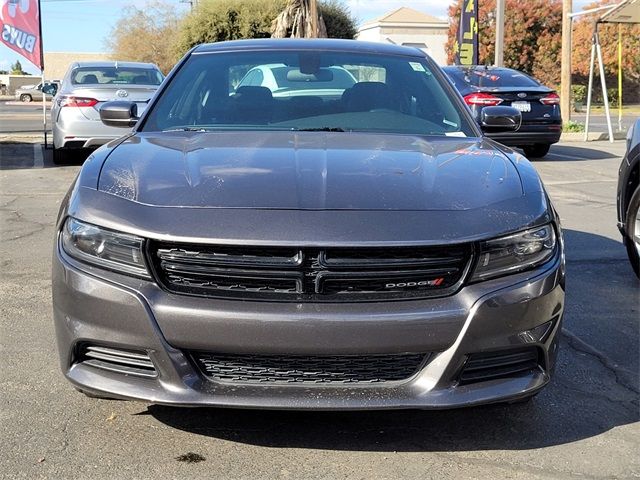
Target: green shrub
{"type": "Point", "coordinates": [338, 20]}
{"type": "Point", "coordinates": [572, 126]}
{"type": "Point", "coordinates": [579, 93]}
{"type": "Point", "coordinates": [216, 21]}
{"type": "Point", "coordinates": [612, 94]}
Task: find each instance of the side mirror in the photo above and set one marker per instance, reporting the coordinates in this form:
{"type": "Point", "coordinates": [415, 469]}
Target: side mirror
{"type": "Point", "coordinates": [500, 119]}
{"type": "Point", "coordinates": [50, 89]}
{"type": "Point", "coordinates": [119, 114]}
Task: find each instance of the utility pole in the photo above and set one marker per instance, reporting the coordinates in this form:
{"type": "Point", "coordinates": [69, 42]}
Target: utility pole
{"type": "Point", "coordinates": [499, 52]}
{"type": "Point", "coordinates": [565, 71]}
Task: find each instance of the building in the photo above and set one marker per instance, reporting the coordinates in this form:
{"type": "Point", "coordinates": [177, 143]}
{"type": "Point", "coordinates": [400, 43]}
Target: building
{"type": "Point", "coordinates": [10, 83]}
{"type": "Point", "coordinates": [406, 26]}
{"type": "Point", "coordinates": [57, 63]}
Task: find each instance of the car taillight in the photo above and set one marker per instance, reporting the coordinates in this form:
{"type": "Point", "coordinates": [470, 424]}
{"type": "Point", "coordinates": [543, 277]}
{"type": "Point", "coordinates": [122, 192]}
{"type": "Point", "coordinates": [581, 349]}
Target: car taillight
{"type": "Point", "coordinates": [482, 99]}
{"type": "Point", "coordinates": [68, 101]}
{"type": "Point", "coordinates": [551, 99]}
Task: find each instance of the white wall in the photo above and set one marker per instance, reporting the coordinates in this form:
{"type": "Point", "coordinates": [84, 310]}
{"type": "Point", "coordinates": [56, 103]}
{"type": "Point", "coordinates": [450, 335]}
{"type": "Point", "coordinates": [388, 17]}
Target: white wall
{"type": "Point", "coordinates": [435, 43]}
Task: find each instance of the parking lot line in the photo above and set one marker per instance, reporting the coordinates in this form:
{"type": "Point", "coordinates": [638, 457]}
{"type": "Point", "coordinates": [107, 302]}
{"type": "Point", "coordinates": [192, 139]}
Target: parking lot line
{"type": "Point", "coordinates": [38, 158]}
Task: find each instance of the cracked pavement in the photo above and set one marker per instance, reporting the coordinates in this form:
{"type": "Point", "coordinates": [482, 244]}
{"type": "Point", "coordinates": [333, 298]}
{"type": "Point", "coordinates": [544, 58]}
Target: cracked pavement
{"type": "Point", "coordinates": [584, 425]}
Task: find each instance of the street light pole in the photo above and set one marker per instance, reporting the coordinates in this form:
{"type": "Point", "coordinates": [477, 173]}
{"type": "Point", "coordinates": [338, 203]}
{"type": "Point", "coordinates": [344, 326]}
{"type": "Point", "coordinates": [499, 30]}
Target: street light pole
{"type": "Point", "coordinates": [565, 71]}
{"type": "Point", "coordinates": [499, 53]}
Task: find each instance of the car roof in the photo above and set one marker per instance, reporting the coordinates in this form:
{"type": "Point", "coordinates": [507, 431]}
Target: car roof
{"type": "Point", "coordinates": [330, 44]}
{"type": "Point", "coordinates": [114, 63]}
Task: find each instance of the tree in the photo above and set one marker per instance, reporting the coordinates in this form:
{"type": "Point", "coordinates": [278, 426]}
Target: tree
{"type": "Point", "coordinates": [229, 20]}
{"type": "Point", "coordinates": [16, 69]}
{"type": "Point", "coordinates": [146, 34]}
{"type": "Point", "coordinates": [532, 36]}
{"type": "Point", "coordinates": [297, 20]}
{"type": "Point", "coordinates": [215, 21]}
{"type": "Point", "coordinates": [581, 53]}
{"type": "Point", "coordinates": [533, 42]}
{"type": "Point", "coordinates": [338, 20]}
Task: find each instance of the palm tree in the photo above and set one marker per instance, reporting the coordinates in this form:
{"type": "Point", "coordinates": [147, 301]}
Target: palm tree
{"type": "Point", "coordinates": [299, 19]}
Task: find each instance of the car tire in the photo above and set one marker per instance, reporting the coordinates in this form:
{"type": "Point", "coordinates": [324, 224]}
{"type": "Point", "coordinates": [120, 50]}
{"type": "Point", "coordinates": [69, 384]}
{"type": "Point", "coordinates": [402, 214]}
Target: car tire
{"type": "Point", "coordinates": [26, 98]}
{"type": "Point", "coordinates": [58, 156]}
{"type": "Point", "coordinates": [538, 150]}
{"type": "Point", "coordinates": [632, 239]}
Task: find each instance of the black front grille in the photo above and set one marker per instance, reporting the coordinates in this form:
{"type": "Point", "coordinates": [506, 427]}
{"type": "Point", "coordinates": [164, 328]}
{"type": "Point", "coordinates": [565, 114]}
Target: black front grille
{"type": "Point", "coordinates": [309, 369]}
{"type": "Point", "coordinates": [292, 274]}
{"type": "Point", "coordinates": [488, 366]}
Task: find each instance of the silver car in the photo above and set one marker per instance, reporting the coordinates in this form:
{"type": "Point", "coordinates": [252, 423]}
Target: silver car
{"type": "Point", "coordinates": [75, 113]}
{"type": "Point", "coordinates": [33, 93]}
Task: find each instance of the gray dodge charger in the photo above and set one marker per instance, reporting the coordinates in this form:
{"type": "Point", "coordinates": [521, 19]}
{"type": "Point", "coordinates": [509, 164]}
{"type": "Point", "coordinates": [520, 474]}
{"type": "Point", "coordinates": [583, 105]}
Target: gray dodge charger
{"type": "Point", "coordinates": [315, 247]}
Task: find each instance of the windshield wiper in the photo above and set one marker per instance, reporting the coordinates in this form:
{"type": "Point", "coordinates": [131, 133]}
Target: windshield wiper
{"type": "Point", "coordinates": [320, 129]}
{"type": "Point", "coordinates": [186, 129]}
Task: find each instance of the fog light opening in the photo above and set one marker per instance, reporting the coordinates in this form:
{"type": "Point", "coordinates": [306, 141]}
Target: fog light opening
{"type": "Point", "coordinates": [538, 334]}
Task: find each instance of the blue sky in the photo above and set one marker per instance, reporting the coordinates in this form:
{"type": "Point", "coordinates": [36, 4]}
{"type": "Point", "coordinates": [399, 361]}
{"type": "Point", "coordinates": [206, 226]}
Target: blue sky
{"type": "Point", "coordinates": [83, 25]}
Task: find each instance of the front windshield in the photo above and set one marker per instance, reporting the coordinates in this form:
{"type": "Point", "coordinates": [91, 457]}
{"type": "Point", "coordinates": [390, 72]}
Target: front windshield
{"type": "Point", "coordinates": [307, 90]}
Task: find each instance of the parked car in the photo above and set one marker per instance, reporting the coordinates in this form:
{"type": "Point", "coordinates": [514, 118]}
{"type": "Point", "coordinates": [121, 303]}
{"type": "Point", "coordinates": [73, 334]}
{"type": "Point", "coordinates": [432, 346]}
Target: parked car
{"type": "Point", "coordinates": [75, 116]}
{"type": "Point", "coordinates": [33, 93]}
{"type": "Point", "coordinates": [628, 201]}
{"type": "Point", "coordinates": [483, 87]}
{"type": "Point", "coordinates": [288, 81]}
{"type": "Point", "coordinates": [374, 252]}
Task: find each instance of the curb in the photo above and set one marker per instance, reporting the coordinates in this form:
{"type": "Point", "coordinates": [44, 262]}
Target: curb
{"type": "Point", "coordinates": [35, 103]}
{"type": "Point", "coordinates": [22, 138]}
{"type": "Point", "coordinates": [593, 136]}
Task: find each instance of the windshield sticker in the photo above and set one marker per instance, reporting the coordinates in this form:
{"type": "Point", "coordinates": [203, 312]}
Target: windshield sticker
{"type": "Point", "coordinates": [455, 134]}
{"type": "Point", "coordinates": [417, 67]}
{"type": "Point", "coordinates": [451, 124]}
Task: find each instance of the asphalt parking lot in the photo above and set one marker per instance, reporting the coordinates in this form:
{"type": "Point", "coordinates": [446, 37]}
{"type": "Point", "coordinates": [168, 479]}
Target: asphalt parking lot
{"type": "Point", "coordinates": [584, 425]}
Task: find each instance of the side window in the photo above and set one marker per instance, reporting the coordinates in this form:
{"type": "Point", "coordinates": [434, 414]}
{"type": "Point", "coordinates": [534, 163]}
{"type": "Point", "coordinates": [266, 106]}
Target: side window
{"type": "Point", "coordinates": [253, 79]}
{"type": "Point", "coordinates": [248, 80]}
{"type": "Point", "coordinates": [257, 79]}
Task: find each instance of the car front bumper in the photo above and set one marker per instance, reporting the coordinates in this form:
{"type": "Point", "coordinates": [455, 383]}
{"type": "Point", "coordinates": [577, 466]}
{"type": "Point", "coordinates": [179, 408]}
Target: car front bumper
{"type": "Point", "coordinates": [103, 308]}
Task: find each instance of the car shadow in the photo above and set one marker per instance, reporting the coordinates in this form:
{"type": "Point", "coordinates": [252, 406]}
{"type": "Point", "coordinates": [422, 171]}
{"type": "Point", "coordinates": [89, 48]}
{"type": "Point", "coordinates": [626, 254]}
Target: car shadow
{"type": "Point", "coordinates": [583, 400]}
{"type": "Point", "coordinates": [16, 155]}
{"type": "Point", "coordinates": [569, 153]}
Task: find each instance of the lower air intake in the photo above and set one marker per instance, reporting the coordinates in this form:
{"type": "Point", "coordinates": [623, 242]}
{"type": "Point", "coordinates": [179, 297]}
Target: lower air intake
{"type": "Point", "coordinates": [128, 362]}
{"type": "Point", "coordinates": [309, 369]}
{"type": "Point", "coordinates": [488, 366]}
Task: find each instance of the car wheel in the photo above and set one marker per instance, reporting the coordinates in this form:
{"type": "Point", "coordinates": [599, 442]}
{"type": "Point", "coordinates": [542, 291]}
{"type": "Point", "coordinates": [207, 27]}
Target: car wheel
{"type": "Point", "coordinates": [538, 150]}
{"type": "Point", "coordinates": [632, 240]}
{"type": "Point", "coordinates": [58, 156]}
{"type": "Point", "coordinates": [25, 97]}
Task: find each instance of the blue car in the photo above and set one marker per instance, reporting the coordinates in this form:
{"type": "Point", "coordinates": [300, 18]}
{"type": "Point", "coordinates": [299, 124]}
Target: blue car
{"type": "Point", "coordinates": [482, 87]}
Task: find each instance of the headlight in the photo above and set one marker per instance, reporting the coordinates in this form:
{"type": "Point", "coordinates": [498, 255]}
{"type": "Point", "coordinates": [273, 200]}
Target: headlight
{"type": "Point", "coordinates": [104, 248]}
{"type": "Point", "coordinates": [515, 253]}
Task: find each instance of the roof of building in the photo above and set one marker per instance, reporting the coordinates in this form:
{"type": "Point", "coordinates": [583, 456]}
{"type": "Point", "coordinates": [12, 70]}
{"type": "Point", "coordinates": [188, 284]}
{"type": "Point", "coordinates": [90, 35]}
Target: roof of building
{"type": "Point", "coordinates": [405, 15]}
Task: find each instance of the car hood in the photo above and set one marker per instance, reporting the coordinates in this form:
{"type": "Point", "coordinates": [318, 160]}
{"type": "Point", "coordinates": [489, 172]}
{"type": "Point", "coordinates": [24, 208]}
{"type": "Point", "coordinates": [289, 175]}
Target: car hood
{"type": "Point", "coordinates": [309, 171]}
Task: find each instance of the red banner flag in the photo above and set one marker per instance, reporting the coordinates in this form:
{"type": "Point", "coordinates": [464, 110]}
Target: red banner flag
{"type": "Point", "coordinates": [20, 22]}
